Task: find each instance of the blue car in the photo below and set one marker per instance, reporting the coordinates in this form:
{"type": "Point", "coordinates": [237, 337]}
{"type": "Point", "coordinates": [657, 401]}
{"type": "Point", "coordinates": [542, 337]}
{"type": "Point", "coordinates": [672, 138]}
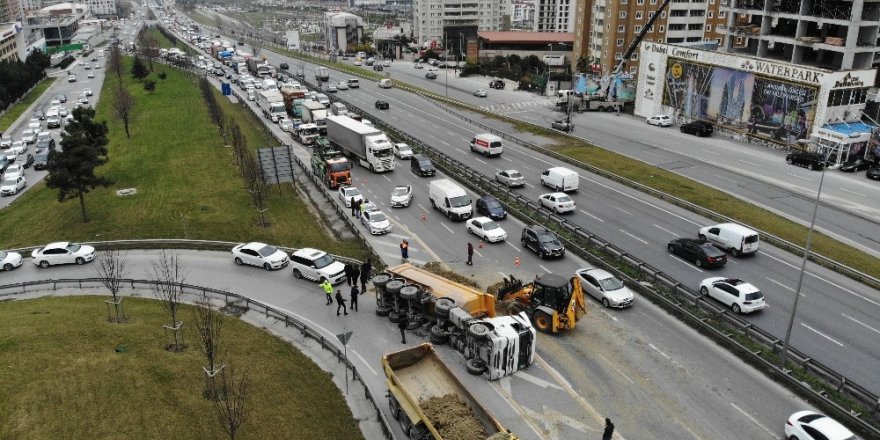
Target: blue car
{"type": "Point", "coordinates": [490, 207]}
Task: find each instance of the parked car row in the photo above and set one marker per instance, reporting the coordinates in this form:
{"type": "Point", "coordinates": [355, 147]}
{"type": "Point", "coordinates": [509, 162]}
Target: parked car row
{"type": "Point", "coordinates": [62, 252]}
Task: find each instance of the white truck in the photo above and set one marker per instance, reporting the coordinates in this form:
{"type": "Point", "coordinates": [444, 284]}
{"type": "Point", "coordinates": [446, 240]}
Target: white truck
{"type": "Point", "coordinates": [272, 104]}
{"type": "Point", "coordinates": [365, 145]}
{"type": "Point", "coordinates": [314, 113]}
{"type": "Point", "coordinates": [322, 74]}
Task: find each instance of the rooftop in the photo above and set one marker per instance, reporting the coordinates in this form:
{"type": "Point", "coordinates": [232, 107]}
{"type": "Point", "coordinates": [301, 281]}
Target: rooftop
{"type": "Point", "coordinates": [527, 37]}
{"type": "Point", "coordinates": [849, 128]}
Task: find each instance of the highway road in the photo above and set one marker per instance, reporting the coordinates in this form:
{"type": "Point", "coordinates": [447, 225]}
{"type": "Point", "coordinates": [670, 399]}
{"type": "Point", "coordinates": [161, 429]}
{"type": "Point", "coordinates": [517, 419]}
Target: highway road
{"type": "Point", "coordinates": [837, 318]}
{"type": "Point", "coordinates": [759, 175]}
{"type": "Point", "coordinates": [649, 373]}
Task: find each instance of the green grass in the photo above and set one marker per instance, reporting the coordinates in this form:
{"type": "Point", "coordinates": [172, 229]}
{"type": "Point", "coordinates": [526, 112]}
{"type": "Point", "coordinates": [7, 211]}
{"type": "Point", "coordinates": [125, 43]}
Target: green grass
{"type": "Point", "coordinates": [187, 184]}
{"type": "Point", "coordinates": [62, 378]}
{"type": "Point", "coordinates": [164, 42]}
{"type": "Point", "coordinates": [9, 116]}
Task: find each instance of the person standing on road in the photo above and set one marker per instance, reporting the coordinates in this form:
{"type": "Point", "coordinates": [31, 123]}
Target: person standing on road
{"type": "Point", "coordinates": [340, 302]}
{"type": "Point", "coordinates": [365, 274]}
{"type": "Point", "coordinates": [402, 326]}
{"type": "Point", "coordinates": [609, 430]}
{"type": "Point", "coordinates": [363, 206]}
{"type": "Point", "coordinates": [355, 272]}
{"type": "Point", "coordinates": [349, 273]}
{"type": "Point", "coordinates": [357, 210]}
{"type": "Point", "coordinates": [470, 261]}
{"type": "Point", "coordinates": [354, 298]}
{"type": "Point", "coordinates": [328, 290]}
{"type": "Point", "coordinates": [353, 206]}
{"type": "Point", "coordinates": [404, 250]}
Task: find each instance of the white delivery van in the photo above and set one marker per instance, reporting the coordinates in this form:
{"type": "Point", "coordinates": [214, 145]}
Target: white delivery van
{"type": "Point", "coordinates": [385, 83]}
{"type": "Point", "coordinates": [450, 199]}
{"type": "Point", "coordinates": [338, 109]}
{"type": "Point", "coordinates": [487, 145]}
{"type": "Point", "coordinates": [560, 179]}
{"type": "Point", "coordinates": [733, 238]}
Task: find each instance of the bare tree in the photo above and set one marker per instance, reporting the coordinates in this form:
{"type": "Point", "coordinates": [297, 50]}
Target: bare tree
{"type": "Point", "coordinates": [255, 185]}
{"type": "Point", "coordinates": [255, 50]}
{"type": "Point", "coordinates": [209, 323]}
{"type": "Point", "coordinates": [123, 103]}
{"type": "Point", "coordinates": [111, 268]}
{"type": "Point", "coordinates": [230, 404]}
{"type": "Point", "coordinates": [169, 276]}
{"type": "Point", "coordinates": [114, 62]}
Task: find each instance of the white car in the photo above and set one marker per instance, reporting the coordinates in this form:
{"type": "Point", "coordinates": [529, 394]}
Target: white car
{"type": "Point", "coordinates": [83, 99]}
{"type": "Point", "coordinates": [54, 104]}
{"type": "Point", "coordinates": [316, 264]}
{"type": "Point", "coordinates": [260, 255]}
{"type": "Point", "coordinates": [62, 252]}
{"type": "Point", "coordinates": [71, 78]}
{"type": "Point", "coordinates": [739, 295]}
{"type": "Point", "coordinates": [418, 65]}
{"type": "Point", "coordinates": [11, 187]}
{"type": "Point", "coordinates": [5, 142]}
{"type": "Point", "coordinates": [386, 63]}
{"type": "Point", "coordinates": [557, 202]}
{"type": "Point", "coordinates": [487, 229]}
{"type": "Point", "coordinates": [13, 172]}
{"type": "Point", "coordinates": [358, 63]}
{"type": "Point", "coordinates": [87, 92]}
{"type": "Point", "coordinates": [331, 88]}
{"type": "Point", "coordinates": [285, 124]}
{"type": "Point", "coordinates": [35, 124]}
{"type": "Point", "coordinates": [10, 260]}
{"type": "Point", "coordinates": [17, 147]}
{"type": "Point", "coordinates": [347, 192]}
{"type": "Point", "coordinates": [376, 222]}
{"type": "Point", "coordinates": [510, 178]}
{"type": "Point", "coordinates": [659, 120]}
{"type": "Point", "coordinates": [603, 286]}
{"type": "Point", "coordinates": [28, 136]}
{"type": "Point", "coordinates": [62, 111]}
{"type": "Point", "coordinates": [90, 75]}
{"type": "Point", "coordinates": [809, 425]}
{"type": "Point", "coordinates": [403, 151]}
{"type": "Point", "coordinates": [481, 93]}
{"type": "Point", "coordinates": [401, 196]}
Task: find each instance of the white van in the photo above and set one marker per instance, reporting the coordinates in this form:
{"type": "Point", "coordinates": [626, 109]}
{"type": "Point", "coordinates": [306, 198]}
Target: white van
{"type": "Point", "coordinates": [487, 145]}
{"type": "Point", "coordinates": [560, 179]}
{"type": "Point", "coordinates": [736, 239]}
{"type": "Point", "coordinates": [385, 83]}
{"type": "Point", "coordinates": [450, 199]}
{"type": "Point", "coordinates": [338, 109]}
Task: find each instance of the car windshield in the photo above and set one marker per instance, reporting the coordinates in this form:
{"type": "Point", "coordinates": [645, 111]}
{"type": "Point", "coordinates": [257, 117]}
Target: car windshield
{"type": "Point", "coordinates": [457, 202]}
{"type": "Point", "coordinates": [8, 182]}
{"type": "Point", "coordinates": [516, 175]}
{"type": "Point", "coordinates": [488, 226]}
{"type": "Point", "coordinates": [710, 250]}
{"type": "Point", "coordinates": [351, 192]}
{"type": "Point", "coordinates": [403, 148]}
{"type": "Point", "coordinates": [564, 199]}
{"type": "Point", "coordinates": [751, 239]}
{"type": "Point", "coordinates": [73, 247]}
{"type": "Point", "coordinates": [342, 166]}
{"type": "Point", "coordinates": [267, 250]}
{"type": "Point", "coordinates": [377, 217]}
{"type": "Point", "coordinates": [324, 261]}
{"type": "Point", "coordinates": [546, 238]}
{"type": "Point", "coordinates": [3, 255]}
{"type": "Point", "coordinates": [492, 204]}
{"type": "Point", "coordinates": [754, 296]}
{"type": "Point", "coordinates": [399, 192]}
{"type": "Point", "coordinates": [610, 284]}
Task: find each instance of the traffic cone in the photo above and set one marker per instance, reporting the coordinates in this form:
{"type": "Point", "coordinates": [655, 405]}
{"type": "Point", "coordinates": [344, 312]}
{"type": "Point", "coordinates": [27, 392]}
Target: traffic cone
{"type": "Point", "coordinates": [424, 216]}
{"type": "Point", "coordinates": [481, 244]}
{"type": "Point", "coordinates": [516, 261]}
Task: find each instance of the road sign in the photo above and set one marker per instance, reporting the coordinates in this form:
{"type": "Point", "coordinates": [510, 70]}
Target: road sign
{"type": "Point", "coordinates": [344, 337]}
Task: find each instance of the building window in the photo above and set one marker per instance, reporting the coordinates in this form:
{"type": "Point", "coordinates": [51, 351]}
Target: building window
{"type": "Point", "coordinates": [637, 29]}
{"type": "Point", "coordinates": [619, 42]}
{"type": "Point", "coordinates": [621, 28]}
{"type": "Point", "coordinates": [708, 28]}
{"type": "Point", "coordinates": [638, 15]}
{"type": "Point", "coordinates": [633, 70]}
{"type": "Point", "coordinates": [663, 14]}
{"type": "Point", "coordinates": [635, 57]}
{"type": "Point", "coordinates": [640, 2]}
{"type": "Point", "coordinates": [711, 14]}
{"type": "Point", "coordinates": [662, 29]}
{"type": "Point", "coordinates": [722, 14]}
{"type": "Point", "coordinates": [739, 40]}
{"type": "Point", "coordinates": [618, 56]}
{"type": "Point", "coordinates": [622, 14]}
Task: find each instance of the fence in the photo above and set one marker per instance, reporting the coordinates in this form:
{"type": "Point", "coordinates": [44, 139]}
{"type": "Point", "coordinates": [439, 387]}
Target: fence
{"type": "Point", "coordinates": [228, 298]}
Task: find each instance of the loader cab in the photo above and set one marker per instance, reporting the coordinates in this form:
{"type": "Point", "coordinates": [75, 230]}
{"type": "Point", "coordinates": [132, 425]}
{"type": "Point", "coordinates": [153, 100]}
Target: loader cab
{"type": "Point", "coordinates": [552, 291]}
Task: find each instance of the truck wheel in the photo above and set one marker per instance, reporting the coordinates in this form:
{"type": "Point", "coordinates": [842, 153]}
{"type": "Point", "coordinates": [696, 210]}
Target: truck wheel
{"type": "Point", "coordinates": [442, 306]}
{"type": "Point", "coordinates": [479, 330]}
{"type": "Point", "coordinates": [543, 322]}
{"type": "Point", "coordinates": [475, 367]}
{"type": "Point", "coordinates": [394, 406]}
{"type": "Point", "coordinates": [393, 287]}
{"type": "Point", "coordinates": [433, 205]}
{"type": "Point", "coordinates": [409, 292]}
{"type": "Point", "coordinates": [383, 311]}
{"type": "Point", "coordinates": [394, 317]}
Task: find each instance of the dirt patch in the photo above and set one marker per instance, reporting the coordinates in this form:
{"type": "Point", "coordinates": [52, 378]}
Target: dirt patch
{"type": "Point", "coordinates": [438, 268]}
{"type": "Point", "coordinates": [452, 418]}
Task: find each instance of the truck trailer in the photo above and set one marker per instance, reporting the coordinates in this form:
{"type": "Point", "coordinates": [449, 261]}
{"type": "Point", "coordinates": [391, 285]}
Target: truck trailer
{"type": "Point", "coordinates": [365, 145]}
{"type": "Point", "coordinates": [272, 104]}
{"type": "Point", "coordinates": [314, 113]}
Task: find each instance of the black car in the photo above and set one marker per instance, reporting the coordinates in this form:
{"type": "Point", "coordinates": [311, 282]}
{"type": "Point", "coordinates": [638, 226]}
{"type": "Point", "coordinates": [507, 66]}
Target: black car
{"type": "Point", "coordinates": [41, 160]}
{"type": "Point", "coordinates": [811, 161]}
{"type": "Point", "coordinates": [28, 160]}
{"type": "Point", "coordinates": [855, 165]}
{"type": "Point", "coordinates": [378, 67]}
{"type": "Point", "coordinates": [421, 165]}
{"type": "Point", "coordinates": [699, 128]}
{"type": "Point", "coordinates": [701, 252]}
{"type": "Point", "coordinates": [873, 172]}
{"type": "Point", "coordinates": [562, 125]}
{"type": "Point", "coordinates": [284, 66]}
{"type": "Point", "coordinates": [4, 163]}
{"type": "Point", "coordinates": [61, 98]}
{"type": "Point", "coordinates": [490, 207]}
{"type": "Point", "coordinates": [542, 241]}
{"type": "Point", "coordinates": [382, 105]}
{"type": "Point", "coordinates": [431, 75]}
{"type": "Point", "coordinates": [496, 84]}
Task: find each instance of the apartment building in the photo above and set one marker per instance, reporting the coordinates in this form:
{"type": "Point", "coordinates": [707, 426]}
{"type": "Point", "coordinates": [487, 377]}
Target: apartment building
{"type": "Point", "coordinates": [555, 15]}
{"type": "Point", "coordinates": [439, 22]}
{"type": "Point", "coordinates": [12, 43]}
{"type": "Point", "coordinates": [827, 34]}
{"type": "Point", "coordinates": [522, 14]}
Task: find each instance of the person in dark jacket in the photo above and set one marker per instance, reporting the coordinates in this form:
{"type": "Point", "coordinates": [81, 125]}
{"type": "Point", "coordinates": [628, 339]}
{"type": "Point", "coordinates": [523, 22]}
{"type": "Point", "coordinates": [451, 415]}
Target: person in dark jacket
{"type": "Point", "coordinates": [340, 302]}
{"type": "Point", "coordinates": [366, 268]}
{"type": "Point", "coordinates": [355, 272]}
{"type": "Point", "coordinates": [354, 297]}
{"type": "Point", "coordinates": [470, 261]}
{"type": "Point", "coordinates": [357, 211]}
{"type": "Point", "coordinates": [402, 326]}
{"type": "Point", "coordinates": [349, 274]}
{"type": "Point", "coordinates": [609, 430]}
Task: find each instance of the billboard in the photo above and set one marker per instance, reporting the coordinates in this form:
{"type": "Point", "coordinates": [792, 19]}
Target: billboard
{"type": "Point", "coordinates": [770, 108]}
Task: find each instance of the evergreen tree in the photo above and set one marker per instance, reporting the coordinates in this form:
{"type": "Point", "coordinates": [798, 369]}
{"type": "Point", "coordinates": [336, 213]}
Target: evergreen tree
{"type": "Point", "coordinates": [83, 149]}
{"type": "Point", "coordinates": [138, 69]}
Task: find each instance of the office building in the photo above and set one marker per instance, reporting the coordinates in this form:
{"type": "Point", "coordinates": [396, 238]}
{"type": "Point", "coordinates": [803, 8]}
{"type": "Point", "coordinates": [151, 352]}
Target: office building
{"type": "Point", "coordinates": [439, 22]}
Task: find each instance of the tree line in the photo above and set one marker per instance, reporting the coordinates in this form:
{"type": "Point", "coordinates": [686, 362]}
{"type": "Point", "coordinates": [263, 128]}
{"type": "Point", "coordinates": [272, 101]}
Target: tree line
{"type": "Point", "coordinates": [17, 77]}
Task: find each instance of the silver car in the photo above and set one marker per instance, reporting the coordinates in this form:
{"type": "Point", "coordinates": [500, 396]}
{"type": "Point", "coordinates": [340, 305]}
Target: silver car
{"type": "Point", "coordinates": [605, 287]}
{"type": "Point", "coordinates": [401, 196]}
{"type": "Point", "coordinates": [510, 178]}
{"type": "Point", "coordinates": [481, 93]}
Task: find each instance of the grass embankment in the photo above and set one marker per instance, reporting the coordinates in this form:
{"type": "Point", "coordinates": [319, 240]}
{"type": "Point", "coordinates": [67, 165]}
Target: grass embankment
{"type": "Point", "coordinates": [164, 42]}
{"type": "Point", "coordinates": [187, 184]}
{"type": "Point", "coordinates": [9, 116]}
{"type": "Point", "coordinates": [63, 379]}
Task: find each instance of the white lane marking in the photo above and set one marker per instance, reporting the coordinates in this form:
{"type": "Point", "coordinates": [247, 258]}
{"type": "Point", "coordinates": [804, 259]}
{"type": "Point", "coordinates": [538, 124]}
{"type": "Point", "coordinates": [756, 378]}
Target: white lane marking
{"type": "Point", "coordinates": [611, 364]}
{"type": "Point", "coordinates": [711, 152]}
{"type": "Point", "coordinates": [783, 286]}
{"type": "Point", "coordinates": [851, 192]}
{"type": "Point", "coordinates": [447, 228]}
{"type": "Point", "coordinates": [800, 177]}
{"type": "Point", "coordinates": [460, 150]}
{"type": "Point", "coordinates": [508, 159]}
{"type": "Point", "coordinates": [858, 295]}
{"type": "Point", "coordinates": [412, 115]}
{"type": "Point", "coordinates": [657, 207]}
{"type": "Point", "coordinates": [444, 143]}
{"type": "Point", "coordinates": [660, 351]}
{"type": "Point", "coordinates": [860, 323]}
{"type": "Point", "coordinates": [511, 245]}
{"type": "Point", "coordinates": [503, 275]}
{"type": "Point", "coordinates": [633, 236]}
{"type": "Point", "coordinates": [750, 163]}
{"type": "Point", "coordinates": [386, 178]}
{"type": "Point", "coordinates": [536, 380]}
{"type": "Point", "coordinates": [545, 269]}
{"type": "Point", "coordinates": [622, 210]}
{"type": "Point", "coordinates": [482, 161]}
{"type": "Point", "coordinates": [402, 237]}
{"type": "Point", "coordinates": [421, 207]}
{"type": "Point", "coordinates": [529, 185]}
{"type": "Point", "coordinates": [666, 230]}
{"type": "Point", "coordinates": [686, 263]}
{"type": "Point", "coordinates": [478, 253]}
{"type": "Point", "coordinates": [411, 260]}
{"type": "Point", "coordinates": [725, 178]}
{"type": "Point", "coordinates": [823, 335]}
{"type": "Point", "coordinates": [591, 215]}
{"type": "Point", "coordinates": [755, 421]}
{"type": "Point", "coordinates": [365, 362]}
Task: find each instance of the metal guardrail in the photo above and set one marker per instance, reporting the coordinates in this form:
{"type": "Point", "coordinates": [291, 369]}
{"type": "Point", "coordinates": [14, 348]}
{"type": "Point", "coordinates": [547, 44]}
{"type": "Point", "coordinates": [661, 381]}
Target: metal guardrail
{"type": "Point", "coordinates": [228, 298]}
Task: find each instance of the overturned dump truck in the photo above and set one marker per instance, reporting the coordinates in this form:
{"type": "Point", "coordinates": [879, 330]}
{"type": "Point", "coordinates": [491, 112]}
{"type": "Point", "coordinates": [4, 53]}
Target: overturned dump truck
{"type": "Point", "coordinates": [458, 315]}
{"type": "Point", "coordinates": [429, 402]}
